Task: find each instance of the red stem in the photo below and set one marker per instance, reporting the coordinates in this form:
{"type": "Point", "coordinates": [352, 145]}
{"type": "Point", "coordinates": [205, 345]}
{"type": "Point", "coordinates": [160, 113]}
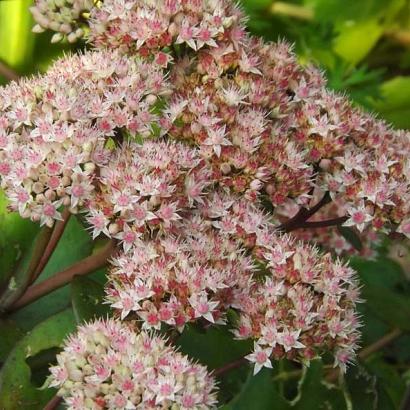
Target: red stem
{"type": "Point", "coordinates": [323, 224]}
{"type": "Point", "coordinates": [53, 403]}
{"type": "Point", "coordinates": [230, 366]}
{"type": "Point", "coordinates": [8, 73]}
{"type": "Point", "coordinates": [56, 235]}
{"type": "Point", "coordinates": [367, 351]}
{"type": "Point", "coordinates": [87, 265]}
{"type": "Point", "coordinates": [304, 214]}
{"type": "Point", "coordinates": [23, 274]}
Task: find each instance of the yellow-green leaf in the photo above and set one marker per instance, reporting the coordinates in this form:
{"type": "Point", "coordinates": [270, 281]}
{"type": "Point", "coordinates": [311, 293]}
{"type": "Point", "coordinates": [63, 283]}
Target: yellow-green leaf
{"type": "Point", "coordinates": [394, 105]}
{"type": "Point", "coordinates": [356, 39]}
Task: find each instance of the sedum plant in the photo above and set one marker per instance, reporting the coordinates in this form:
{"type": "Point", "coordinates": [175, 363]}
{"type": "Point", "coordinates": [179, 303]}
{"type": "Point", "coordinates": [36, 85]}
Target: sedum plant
{"type": "Point", "coordinates": [224, 181]}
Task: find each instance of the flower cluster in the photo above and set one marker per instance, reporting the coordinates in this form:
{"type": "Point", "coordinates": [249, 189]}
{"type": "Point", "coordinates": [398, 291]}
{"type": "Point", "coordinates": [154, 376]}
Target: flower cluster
{"type": "Point", "coordinates": [300, 302]}
{"type": "Point", "coordinates": [267, 126]}
{"type": "Point", "coordinates": [148, 26]}
{"type": "Point", "coordinates": [55, 129]}
{"type": "Point", "coordinates": [146, 185]}
{"type": "Point", "coordinates": [182, 176]}
{"type": "Point", "coordinates": [63, 16]}
{"type": "Point", "coordinates": [286, 291]}
{"type": "Point", "coordinates": [271, 127]}
{"type": "Point", "coordinates": [360, 160]}
{"type": "Point", "coordinates": [224, 104]}
{"type": "Point", "coordinates": [370, 175]}
{"type": "Point", "coordinates": [304, 305]}
{"type": "Point", "coordinates": [108, 365]}
{"type": "Point", "coordinates": [176, 281]}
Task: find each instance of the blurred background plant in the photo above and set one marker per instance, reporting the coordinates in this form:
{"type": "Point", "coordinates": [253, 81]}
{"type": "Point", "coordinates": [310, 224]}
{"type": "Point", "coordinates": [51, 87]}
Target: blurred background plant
{"type": "Point", "coordinates": [364, 48]}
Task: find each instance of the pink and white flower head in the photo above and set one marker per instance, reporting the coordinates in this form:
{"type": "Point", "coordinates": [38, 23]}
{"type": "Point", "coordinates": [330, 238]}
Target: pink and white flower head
{"type": "Point", "coordinates": [223, 103]}
{"type": "Point", "coordinates": [148, 185]}
{"type": "Point", "coordinates": [146, 26]}
{"type": "Point", "coordinates": [199, 275]}
{"type": "Point", "coordinates": [301, 304]}
{"type": "Point", "coordinates": [109, 365]}
{"type": "Point", "coordinates": [64, 17]}
{"type": "Point", "coordinates": [266, 124]}
{"type": "Point", "coordinates": [143, 26]}
{"type": "Point", "coordinates": [244, 125]}
{"type": "Point", "coordinates": [55, 129]}
{"type": "Point", "coordinates": [305, 304]}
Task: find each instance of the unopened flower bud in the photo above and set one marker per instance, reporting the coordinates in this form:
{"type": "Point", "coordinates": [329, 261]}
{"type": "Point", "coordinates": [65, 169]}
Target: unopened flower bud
{"type": "Point", "coordinates": [225, 168]}
{"type": "Point", "coordinates": [38, 187]}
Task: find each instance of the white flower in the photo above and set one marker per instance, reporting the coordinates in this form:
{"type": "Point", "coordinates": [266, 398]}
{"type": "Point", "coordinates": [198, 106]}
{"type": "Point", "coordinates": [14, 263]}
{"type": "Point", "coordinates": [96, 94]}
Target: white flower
{"type": "Point", "coordinates": [261, 358]}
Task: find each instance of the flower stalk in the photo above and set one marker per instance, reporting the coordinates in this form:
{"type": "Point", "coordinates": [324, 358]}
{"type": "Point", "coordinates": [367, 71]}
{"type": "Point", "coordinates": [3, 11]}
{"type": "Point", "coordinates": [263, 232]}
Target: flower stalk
{"type": "Point", "coordinates": [57, 233]}
{"type": "Point", "coordinates": [53, 403]}
{"type": "Point", "coordinates": [292, 10]}
{"type": "Point", "coordinates": [84, 267]}
{"type": "Point", "coordinates": [369, 350]}
{"type": "Point", "coordinates": [7, 72]}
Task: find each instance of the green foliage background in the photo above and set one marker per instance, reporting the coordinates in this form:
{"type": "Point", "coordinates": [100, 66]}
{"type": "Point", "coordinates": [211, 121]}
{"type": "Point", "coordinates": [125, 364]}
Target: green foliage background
{"type": "Point", "coordinates": [364, 47]}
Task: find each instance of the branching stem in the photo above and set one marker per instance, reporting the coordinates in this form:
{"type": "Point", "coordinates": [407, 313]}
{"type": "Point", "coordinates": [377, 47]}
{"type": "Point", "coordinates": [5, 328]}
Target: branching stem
{"type": "Point", "coordinates": [55, 237]}
{"type": "Point", "coordinates": [323, 224]}
{"type": "Point", "coordinates": [304, 214]}
{"type": "Point", "coordinates": [84, 267]}
{"type": "Point", "coordinates": [334, 373]}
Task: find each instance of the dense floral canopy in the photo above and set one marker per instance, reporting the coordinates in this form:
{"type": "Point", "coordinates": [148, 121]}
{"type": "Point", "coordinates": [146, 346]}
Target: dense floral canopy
{"type": "Point", "coordinates": [198, 149]}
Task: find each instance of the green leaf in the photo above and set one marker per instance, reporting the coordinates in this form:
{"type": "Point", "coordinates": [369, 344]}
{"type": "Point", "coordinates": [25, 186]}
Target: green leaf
{"type": "Point", "coordinates": [356, 39]}
{"type": "Point", "coordinates": [390, 306]}
{"type": "Point", "coordinates": [395, 102]}
{"type": "Point", "coordinates": [313, 394]}
{"type": "Point", "coordinates": [9, 335]}
{"type": "Point", "coordinates": [310, 386]}
{"type": "Point", "coordinates": [16, 389]}
{"type": "Point", "coordinates": [388, 379]}
{"type": "Point", "coordinates": [206, 346]}
{"type": "Point", "coordinates": [386, 291]}
{"type": "Point", "coordinates": [366, 390]}
{"type": "Point", "coordinates": [75, 244]}
{"type": "Point", "coordinates": [23, 272]}
{"type": "Point", "coordinates": [351, 236]}
{"type": "Point", "coordinates": [353, 10]}
{"type": "Point", "coordinates": [362, 388]}
{"type": "Point", "coordinates": [17, 235]}
{"type": "Point", "coordinates": [373, 327]}
{"type": "Point", "coordinates": [361, 84]}
{"type": "Point", "coordinates": [383, 271]}
{"type": "Point", "coordinates": [257, 5]}
{"type": "Point", "coordinates": [87, 297]}
{"type": "Point", "coordinates": [400, 349]}
{"type": "Point", "coordinates": [215, 348]}
{"type": "Point", "coordinates": [259, 393]}
{"type": "Point", "coordinates": [383, 279]}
